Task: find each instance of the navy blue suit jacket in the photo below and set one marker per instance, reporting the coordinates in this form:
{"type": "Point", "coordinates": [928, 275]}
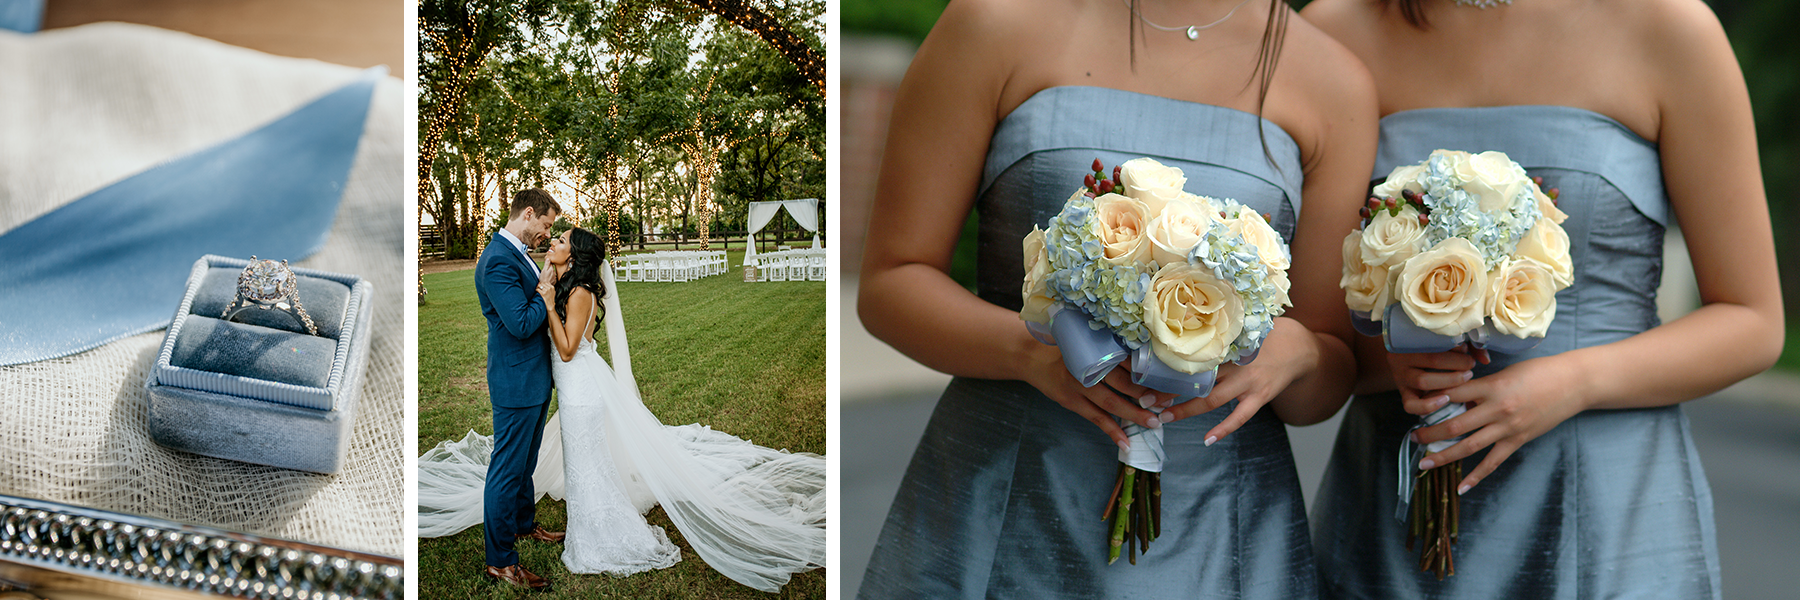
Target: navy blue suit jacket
{"type": "Point", "coordinates": [518, 368]}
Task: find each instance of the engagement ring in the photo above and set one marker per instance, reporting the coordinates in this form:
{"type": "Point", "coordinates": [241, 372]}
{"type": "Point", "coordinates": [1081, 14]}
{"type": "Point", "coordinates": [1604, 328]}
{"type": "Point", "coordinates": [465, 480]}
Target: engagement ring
{"type": "Point", "coordinates": [266, 284]}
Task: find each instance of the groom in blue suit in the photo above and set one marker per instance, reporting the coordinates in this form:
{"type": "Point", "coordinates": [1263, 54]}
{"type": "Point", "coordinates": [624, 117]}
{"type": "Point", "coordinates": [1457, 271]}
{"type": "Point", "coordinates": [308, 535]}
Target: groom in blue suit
{"type": "Point", "coordinates": [518, 374]}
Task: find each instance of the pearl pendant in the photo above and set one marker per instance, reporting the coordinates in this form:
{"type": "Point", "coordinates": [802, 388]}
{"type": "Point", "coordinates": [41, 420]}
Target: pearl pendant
{"type": "Point", "coordinates": [1193, 33]}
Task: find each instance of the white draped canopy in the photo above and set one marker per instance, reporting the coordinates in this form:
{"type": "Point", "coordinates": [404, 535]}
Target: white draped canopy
{"type": "Point", "coordinates": [805, 212]}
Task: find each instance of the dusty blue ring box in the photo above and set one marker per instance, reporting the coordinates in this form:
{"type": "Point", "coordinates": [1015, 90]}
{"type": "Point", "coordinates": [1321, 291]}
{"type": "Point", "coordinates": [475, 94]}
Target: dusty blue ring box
{"type": "Point", "coordinates": [259, 388]}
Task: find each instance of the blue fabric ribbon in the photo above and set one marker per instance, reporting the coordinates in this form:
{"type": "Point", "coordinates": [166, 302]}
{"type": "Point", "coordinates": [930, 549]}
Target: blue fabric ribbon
{"type": "Point", "coordinates": [1088, 353]}
{"type": "Point", "coordinates": [23, 16]}
{"type": "Point", "coordinates": [1149, 371]}
{"type": "Point", "coordinates": [1402, 335]}
{"type": "Point", "coordinates": [114, 263]}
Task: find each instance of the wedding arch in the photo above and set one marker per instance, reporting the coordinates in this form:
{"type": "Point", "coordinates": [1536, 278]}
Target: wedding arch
{"type": "Point", "coordinates": [805, 212]}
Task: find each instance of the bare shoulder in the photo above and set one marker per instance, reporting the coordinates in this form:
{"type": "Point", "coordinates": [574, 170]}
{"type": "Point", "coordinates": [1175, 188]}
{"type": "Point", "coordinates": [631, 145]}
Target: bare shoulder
{"type": "Point", "coordinates": [1668, 27]}
{"type": "Point", "coordinates": [983, 33]}
{"type": "Point", "coordinates": [1682, 42]}
{"type": "Point", "coordinates": [1351, 22]}
{"type": "Point", "coordinates": [1323, 67]}
{"type": "Point", "coordinates": [1328, 86]}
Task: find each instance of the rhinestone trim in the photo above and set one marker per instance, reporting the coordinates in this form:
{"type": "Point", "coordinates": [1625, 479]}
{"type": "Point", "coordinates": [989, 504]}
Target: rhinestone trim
{"type": "Point", "coordinates": [154, 552]}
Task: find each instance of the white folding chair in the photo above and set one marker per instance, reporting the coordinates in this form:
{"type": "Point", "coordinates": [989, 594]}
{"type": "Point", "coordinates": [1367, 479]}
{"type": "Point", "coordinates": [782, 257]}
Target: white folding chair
{"type": "Point", "coordinates": [776, 269]}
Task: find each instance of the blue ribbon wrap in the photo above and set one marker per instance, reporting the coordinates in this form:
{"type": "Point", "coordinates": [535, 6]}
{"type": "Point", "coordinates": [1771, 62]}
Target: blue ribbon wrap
{"type": "Point", "coordinates": [115, 263]}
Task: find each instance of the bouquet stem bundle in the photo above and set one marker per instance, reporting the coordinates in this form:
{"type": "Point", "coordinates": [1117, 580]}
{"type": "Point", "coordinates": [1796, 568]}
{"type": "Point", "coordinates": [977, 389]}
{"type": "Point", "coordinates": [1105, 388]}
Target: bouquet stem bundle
{"type": "Point", "coordinates": [1134, 529]}
{"type": "Point", "coordinates": [1435, 510]}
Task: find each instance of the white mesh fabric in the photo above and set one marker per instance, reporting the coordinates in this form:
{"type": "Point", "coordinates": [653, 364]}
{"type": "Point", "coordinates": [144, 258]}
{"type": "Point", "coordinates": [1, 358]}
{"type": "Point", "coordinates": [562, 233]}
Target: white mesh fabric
{"type": "Point", "coordinates": [84, 107]}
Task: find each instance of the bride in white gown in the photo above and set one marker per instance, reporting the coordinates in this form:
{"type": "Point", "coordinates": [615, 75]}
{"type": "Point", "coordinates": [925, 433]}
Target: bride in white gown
{"type": "Point", "coordinates": [754, 514]}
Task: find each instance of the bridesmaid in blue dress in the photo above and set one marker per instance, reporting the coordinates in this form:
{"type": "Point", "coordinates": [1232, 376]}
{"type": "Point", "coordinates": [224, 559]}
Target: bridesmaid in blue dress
{"type": "Point", "coordinates": [1583, 480]}
{"type": "Point", "coordinates": [1002, 111]}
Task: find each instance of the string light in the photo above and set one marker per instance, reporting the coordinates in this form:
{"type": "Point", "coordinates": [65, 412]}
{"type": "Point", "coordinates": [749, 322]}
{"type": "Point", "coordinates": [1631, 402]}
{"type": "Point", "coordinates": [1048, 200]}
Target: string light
{"type": "Point", "coordinates": [466, 61]}
{"type": "Point", "coordinates": [791, 46]}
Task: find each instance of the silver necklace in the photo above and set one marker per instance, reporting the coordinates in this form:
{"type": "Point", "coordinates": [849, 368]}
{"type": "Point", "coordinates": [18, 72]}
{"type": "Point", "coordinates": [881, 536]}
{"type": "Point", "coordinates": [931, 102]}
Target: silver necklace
{"type": "Point", "coordinates": [1484, 4]}
{"type": "Point", "coordinates": [1193, 31]}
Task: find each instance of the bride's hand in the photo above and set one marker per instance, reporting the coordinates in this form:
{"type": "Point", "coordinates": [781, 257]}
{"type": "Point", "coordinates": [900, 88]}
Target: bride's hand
{"type": "Point", "coordinates": [1116, 395]}
{"type": "Point", "coordinates": [547, 289]}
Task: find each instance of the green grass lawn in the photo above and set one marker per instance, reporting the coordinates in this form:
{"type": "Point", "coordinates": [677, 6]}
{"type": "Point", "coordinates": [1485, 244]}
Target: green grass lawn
{"type": "Point", "coordinates": [745, 358]}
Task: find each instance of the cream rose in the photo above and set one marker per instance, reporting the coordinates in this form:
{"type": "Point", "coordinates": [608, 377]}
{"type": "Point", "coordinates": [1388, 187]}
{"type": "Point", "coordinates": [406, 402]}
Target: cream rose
{"type": "Point", "coordinates": [1193, 317]}
{"type": "Point", "coordinates": [1548, 207]}
{"type": "Point", "coordinates": [1401, 178]}
{"type": "Point", "coordinates": [1035, 291]}
{"type": "Point", "coordinates": [1269, 247]}
{"type": "Point", "coordinates": [1548, 244]}
{"type": "Point", "coordinates": [1254, 229]}
{"type": "Point", "coordinates": [1365, 286]}
{"type": "Point", "coordinates": [1522, 298]}
{"type": "Point", "coordinates": [1389, 239]}
{"type": "Point", "coordinates": [1151, 182]}
{"type": "Point", "coordinates": [1123, 223]}
{"type": "Point", "coordinates": [1493, 179]}
{"type": "Point", "coordinates": [1175, 232]}
{"type": "Point", "coordinates": [1444, 289]}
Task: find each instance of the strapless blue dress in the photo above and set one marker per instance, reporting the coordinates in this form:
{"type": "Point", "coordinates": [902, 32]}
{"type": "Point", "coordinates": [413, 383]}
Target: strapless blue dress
{"type": "Point", "coordinates": [1004, 495]}
{"type": "Point", "coordinates": [1609, 504]}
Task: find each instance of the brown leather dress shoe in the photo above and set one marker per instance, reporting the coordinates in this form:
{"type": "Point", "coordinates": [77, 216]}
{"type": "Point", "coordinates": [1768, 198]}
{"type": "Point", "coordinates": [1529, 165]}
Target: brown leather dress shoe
{"type": "Point", "coordinates": [517, 575]}
{"type": "Point", "coordinates": [544, 535]}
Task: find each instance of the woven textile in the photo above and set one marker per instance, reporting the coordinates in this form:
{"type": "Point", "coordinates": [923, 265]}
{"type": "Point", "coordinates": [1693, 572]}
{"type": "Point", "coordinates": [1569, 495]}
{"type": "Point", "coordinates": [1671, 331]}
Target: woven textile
{"type": "Point", "coordinates": [84, 107]}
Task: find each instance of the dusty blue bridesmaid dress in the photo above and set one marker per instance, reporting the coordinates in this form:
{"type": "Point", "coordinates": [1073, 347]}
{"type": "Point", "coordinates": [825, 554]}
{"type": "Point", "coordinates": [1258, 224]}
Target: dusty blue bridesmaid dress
{"type": "Point", "coordinates": [1609, 504]}
{"type": "Point", "coordinates": [1004, 496]}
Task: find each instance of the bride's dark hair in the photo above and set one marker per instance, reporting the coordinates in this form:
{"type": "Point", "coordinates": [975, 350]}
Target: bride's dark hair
{"type": "Point", "coordinates": [586, 252]}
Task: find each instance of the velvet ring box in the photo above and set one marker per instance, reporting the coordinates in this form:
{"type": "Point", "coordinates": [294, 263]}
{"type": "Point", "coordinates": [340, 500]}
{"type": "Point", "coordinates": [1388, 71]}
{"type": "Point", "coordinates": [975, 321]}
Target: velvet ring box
{"type": "Point", "coordinates": [258, 388]}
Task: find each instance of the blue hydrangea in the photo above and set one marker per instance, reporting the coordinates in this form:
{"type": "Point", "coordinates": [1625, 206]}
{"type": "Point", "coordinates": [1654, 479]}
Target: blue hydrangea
{"type": "Point", "coordinates": [1457, 213]}
{"type": "Point", "coordinates": [1114, 295]}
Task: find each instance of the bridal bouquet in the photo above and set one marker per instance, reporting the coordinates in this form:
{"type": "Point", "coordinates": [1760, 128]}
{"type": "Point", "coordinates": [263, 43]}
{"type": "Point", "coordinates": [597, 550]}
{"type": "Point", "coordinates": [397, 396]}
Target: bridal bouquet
{"type": "Point", "coordinates": [1134, 267]}
{"type": "Point", "coordinates": [1461, 248]}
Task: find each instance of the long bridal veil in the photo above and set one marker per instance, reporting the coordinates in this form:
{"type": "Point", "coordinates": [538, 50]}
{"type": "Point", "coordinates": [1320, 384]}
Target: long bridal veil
{"type": "Point", "coordinates": [754, 514]}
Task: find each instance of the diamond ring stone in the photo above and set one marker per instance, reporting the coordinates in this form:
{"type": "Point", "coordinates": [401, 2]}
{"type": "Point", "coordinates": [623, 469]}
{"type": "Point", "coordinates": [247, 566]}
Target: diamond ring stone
{"type": "Point", "coordinates": [266, 284]}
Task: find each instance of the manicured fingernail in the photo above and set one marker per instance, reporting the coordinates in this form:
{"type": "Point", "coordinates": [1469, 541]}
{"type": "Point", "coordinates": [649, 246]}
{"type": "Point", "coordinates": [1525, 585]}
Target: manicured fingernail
{"type": "Point", "coordinates": [1146, 400]}
{"type": "Point", "coordinates": [1426, 465]}
{"type": "Point", "coordinates": [1210, 439]}
{"type": "Point", "coordinates": [1165, 417]}
{"type": "Point", "coordinates": [1467, 375]}
{"type": "Point", "coordinates": [1440, 401]}
{"type": "Point", "coordinates": [1460, 490]}
{"type": "Point", "coordinates": [1414, 435]}
{"type": "Point", "coordinates": [1123, 445]}
{"type": "Point", "coordinates": [1154, 422]}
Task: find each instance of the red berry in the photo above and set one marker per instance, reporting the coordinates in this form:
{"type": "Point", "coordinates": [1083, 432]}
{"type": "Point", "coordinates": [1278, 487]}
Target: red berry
{"type": "Point", "coordinates": [1374, 202]}
{"type": "Point", "coordinates": [1393, 204]}
{"type": "Point", "coordinates": [1409, 195]}
{"type": "Point", "coordinates": [1553, 193]}
{"type": "Point", "coordinates": [1424, 219]}
{"type": "Point", "coordinates": [1365, 213]}
{"type": "Point", "coordinates": [1538, 180]}
{"type": "Point", "coordinates": [1099, 168]}
{"type": "Point", "coordinates": [1106, 186]}
{"type": "Point", "coordinates": [1267, 218]}
{"type": "Point", "coordinates": [1115, 173]}
{"type": "Point", "coordinates": [1088, 181]}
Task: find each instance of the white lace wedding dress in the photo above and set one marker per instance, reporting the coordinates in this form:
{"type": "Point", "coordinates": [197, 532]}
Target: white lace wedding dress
{"type": "Point", "coordinates": [755, 514]}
